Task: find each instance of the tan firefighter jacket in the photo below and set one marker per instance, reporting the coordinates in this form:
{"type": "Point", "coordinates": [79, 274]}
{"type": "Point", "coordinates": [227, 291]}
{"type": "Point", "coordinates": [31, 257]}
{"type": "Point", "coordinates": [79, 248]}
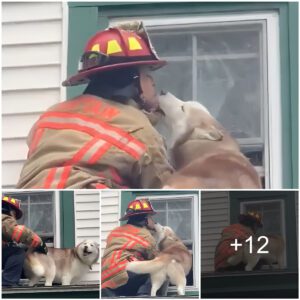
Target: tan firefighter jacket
{"type": "Point", "coordinates": [12, 232]}
{"type": "Point", "coordinates": [125, 243]}
{"type": "Point", "coordinates": [89, 142]}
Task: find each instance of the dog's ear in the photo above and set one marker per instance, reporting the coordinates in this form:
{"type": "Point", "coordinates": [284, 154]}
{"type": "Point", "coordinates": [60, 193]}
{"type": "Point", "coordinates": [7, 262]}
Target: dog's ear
{"type": "Point", "coordinates": [213, 134]}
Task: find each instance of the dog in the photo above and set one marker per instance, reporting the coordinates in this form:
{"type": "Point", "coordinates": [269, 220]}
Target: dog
{"type": "Point", "coordinates": [254, 260]}
{"type": "Point", "coordinates": [64, 266]}
{"type": "Point", "coordinates": [201, 150]}
{"type": "Point", "coordinates": [173, 262]}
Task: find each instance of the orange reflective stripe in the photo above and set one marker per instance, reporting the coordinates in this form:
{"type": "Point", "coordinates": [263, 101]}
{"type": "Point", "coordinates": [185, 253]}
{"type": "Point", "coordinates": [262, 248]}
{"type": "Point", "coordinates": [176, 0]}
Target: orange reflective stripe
{"type": "Point", "coordinates": [14, 233]}
{"type": "Point", "coordinates": [100, 186]}
{"type": "Point", "coordinates": [109, 112]}
{"type": "Point", "coordinates": [57, 177]}
{"type": "Point", "coordinates": [109, 284]}
{"type": "Point", "coordinates": [80, 154]}
{"type": "Point", "coordinates": [35, 241]}
{"type": "Point", "coordinates": [130, 236]}
{"type": "Point", "coordinates": [114, 135]}
{"type": "Point", "coordinates": [35, 141]}
{"type": "Point", "coordinates": [99, 153]}
{"type": "Point", "coordinates": [111, 271]}
{"type": "Point", "coordinates": [49, 178]}
{"type": "Point", "coordinates": [17, 233]}
{"type": "Point", "coordinates": [64, 177]}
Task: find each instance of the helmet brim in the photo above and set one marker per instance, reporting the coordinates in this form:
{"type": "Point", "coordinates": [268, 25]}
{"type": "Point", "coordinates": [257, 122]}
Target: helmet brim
{"type": "Point", "coordinates": [126, 217]}
{"type": "Point", "coordinates": [82, 77]}
{"type": "Point", "coordinates": [19, 212]}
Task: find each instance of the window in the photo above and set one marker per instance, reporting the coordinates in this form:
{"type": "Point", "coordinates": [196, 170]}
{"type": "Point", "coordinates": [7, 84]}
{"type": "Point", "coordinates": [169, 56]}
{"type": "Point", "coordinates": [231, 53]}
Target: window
{"type": "Point", "coordinates": [38, 213]}
{"type": "Point", "coordinates": [180, 212]}
{"type": "Point", "coordinates": [272, 212]}
{"type": "Point", "coordinates": [230, 63]}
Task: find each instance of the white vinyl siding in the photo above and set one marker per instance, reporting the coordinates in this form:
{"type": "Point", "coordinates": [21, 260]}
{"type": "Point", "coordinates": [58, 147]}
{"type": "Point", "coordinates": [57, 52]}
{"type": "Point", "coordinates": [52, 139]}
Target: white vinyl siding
{"type": "Point", "coordinates": [110, 214]}
{"type": "Point", "coordinates": [33, 67]}
{"type": "Point", "coordinates": [214, 217]}
{"type": "Point", "coordinates": [87, 223]}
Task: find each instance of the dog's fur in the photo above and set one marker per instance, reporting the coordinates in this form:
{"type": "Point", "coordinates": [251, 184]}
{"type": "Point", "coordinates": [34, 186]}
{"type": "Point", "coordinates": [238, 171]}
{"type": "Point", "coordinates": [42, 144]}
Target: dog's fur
{"type": "Point", "coordinates": [174, 261]}
{"type": "Point", "coordinates": [275, 247]}
{"type": "Point", "coordinates": [203, 152]}
{"type": "Point", "coordinates": [65, 266]}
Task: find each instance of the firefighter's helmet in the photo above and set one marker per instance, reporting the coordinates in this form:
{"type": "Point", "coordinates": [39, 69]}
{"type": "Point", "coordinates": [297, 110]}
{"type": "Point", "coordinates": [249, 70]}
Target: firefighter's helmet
{"type": "Point", "coordinates": [114, 48]}
{"type": "Point", "coordinates": [14, 204]}
{"type": "Point", "coordinates": [254, 216]}
{"type": "Point", "coordinates": [138, 207]}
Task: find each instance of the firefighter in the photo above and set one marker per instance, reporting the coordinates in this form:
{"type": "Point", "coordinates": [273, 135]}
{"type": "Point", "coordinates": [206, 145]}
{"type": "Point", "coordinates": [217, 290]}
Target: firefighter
{"type": "Point", "coordinates": [248, 225]}
{"type": "Point", "coordinates": [12, 234]}
{"type": "Point", "coordinates": [103, 138]}
{"type": "Point", "coordinates": [129, 242]}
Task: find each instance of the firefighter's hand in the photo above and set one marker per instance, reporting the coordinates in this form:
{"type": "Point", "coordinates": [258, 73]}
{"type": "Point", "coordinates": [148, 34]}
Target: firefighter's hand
{"type": "Point", "coordinates": [42, 248]}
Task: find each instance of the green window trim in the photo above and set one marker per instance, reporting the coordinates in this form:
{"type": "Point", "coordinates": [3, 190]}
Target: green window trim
{"type": "Point", "coordinates": [67, 220]}
{"type": "Point", "coordinates": [84, 21]}
{"type": "Point", "coordinates": [289, 197]}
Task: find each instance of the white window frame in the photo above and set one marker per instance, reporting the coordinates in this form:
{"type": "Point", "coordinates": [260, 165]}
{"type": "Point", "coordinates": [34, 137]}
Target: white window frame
{"type": "Point", "coordinates": [195, 233]}
{"type": "Point", "coordinates": [57, 237]}
{"type": "Point", "coordinates": [272, 113]}
{"type": "Point", "coordinates": [282, 218]}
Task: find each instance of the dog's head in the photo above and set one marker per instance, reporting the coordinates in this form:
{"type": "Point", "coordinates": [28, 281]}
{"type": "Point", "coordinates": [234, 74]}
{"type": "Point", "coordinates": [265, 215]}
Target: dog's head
{"type": "Point", "coordinates": [88, 252]}
{"type": "Point", "coordinates": [164, 234]}
{"type": "Point", "coordinates": [187, 119]}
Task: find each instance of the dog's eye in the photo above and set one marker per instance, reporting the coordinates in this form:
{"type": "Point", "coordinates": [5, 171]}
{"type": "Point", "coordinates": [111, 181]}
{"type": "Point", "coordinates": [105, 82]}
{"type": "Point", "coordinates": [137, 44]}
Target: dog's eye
{"type": "Point", "coordinates": [182, 108]}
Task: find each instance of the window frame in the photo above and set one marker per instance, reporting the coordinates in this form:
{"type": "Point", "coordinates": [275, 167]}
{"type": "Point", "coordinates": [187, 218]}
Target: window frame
{"type": "Point", "coordinates": [195, 233]}
{"type": "Point", "coordinates": [282, 218]}
{"type": "Point", "coordinates": [289, 197]}
{"type": "Point", "coordinates": [270, 114]}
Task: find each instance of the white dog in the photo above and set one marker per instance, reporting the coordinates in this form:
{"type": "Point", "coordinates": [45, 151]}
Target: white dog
{"type": "Point", "coordinates": [174, 261]}
{"type": "Point", "coordinates": [202, 151]}
{"type": "Point", "coordinates": [65, 266]}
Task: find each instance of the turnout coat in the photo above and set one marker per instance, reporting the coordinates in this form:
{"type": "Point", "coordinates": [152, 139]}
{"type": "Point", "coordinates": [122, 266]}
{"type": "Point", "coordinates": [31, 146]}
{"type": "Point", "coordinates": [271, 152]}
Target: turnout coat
{"type": "Point", "coordinates": [223, 249]}
{"type": "Point", "coordinates": [90, 142]}
{"type": "Point", "coordinates": [12, 232]}
{"type": "Point", "coordinates": [125, 243]}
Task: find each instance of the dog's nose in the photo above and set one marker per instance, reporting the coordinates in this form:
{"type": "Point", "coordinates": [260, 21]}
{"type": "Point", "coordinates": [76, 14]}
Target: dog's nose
{"type": "Point", "coordinates": [162, 93]}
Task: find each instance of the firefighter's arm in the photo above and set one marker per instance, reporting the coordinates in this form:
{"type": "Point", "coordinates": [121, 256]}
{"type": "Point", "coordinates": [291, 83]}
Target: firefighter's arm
{"type": "Point", "coordinates": [22, 234]}
{"type": "Point", "coordinates": [153, 168]}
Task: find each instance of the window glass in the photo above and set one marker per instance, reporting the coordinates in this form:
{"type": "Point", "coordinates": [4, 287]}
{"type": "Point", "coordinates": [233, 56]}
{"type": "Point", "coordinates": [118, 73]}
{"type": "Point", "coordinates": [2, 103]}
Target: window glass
{"type": "Point", "coordinates": [271, 213]}
{"type": "Point", "coordinates": [176, 214]}
{"type": "Point", "coordinates": [220, 65]}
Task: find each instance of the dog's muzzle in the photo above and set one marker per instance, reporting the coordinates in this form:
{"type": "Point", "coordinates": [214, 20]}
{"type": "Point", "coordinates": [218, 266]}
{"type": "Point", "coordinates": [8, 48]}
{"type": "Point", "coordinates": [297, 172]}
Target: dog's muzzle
{"type": "Point", "coordinates": [85, 251]}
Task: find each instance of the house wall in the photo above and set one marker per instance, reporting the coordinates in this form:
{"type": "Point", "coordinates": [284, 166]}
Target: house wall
{"type": "Point", "coordinates": [87, 223]}
{"type": "Point", "coordinates": [214, 217]}
{"type": "Point", "coordinates": [34, 36]}
{"type": "Point", "coordinates": [110, 214]}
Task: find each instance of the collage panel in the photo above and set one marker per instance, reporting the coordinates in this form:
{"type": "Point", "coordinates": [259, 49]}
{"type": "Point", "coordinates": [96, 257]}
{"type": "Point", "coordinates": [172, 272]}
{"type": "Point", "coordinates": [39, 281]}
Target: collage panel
{"type": "Point", "coordinates": [50, 244]}
{"type": "Point", "coordinates": [150, 244]}
{"type": "Point", "coordinates": [249, 244]}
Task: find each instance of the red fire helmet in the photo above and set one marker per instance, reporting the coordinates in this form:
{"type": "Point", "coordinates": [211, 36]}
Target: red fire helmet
{"type": "Point", "coordinates": [111, 49]}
